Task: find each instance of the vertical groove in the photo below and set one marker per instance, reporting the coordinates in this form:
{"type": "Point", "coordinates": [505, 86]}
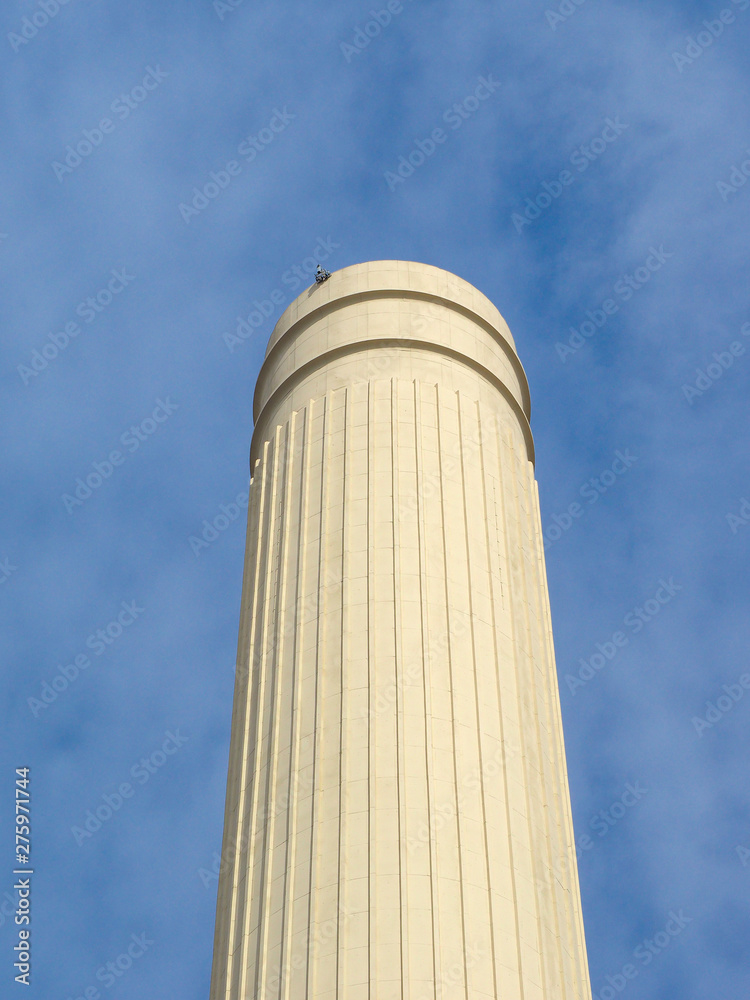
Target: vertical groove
{"type": "Point", "coordinates": [374, 893]}
{"type": "Point", "coordinates": [475, 668]}
{"type": "Point", "coordinates": [271, 665]}
{"type": "Point", "coordinates": [242, 870]}
{"type": "Point", "coordinates": [316, 710]}
{"type": "Point", "coordinates": [501, 449]}
{"type": "Point", "coordinates": [525, 655]}
{"type": "Point", "coordinates": [278, 819]}
{"type": "Point", "coordinates": [424, 623]}
{"type": "Point", "coordinates": [530, 680]}
{"type": "Point", "coordinates": [342, 688]}
{"type": "Point", "coordinates": [328, 791]}
{"type": "Point", "coordinates": [277, 716]}
{"type": "Point", "coordinates": [451, 683]}
{"type": "Point", "coordinates": [354, 867]}
{"type": "Point", "coordinates": [497, 687]}
{"type": "Point", "coordinates": [287, 936]}
{"type": "Point", "coordinates": [308, 676]}
{"type": "Point", "coordinates": [242, 706]}
{"type": "Point", "coordinates": [544, 726]}
{"type": "Point", "coordinates": [475, 664]}
{"type": "Point", "coordinates": [246, 781]}
{"type": "Point", "coordinates": [397, 682]}
{"type": "Point", "coordinates": [541, 845]}
{"type": "Point", "coordinates": [370, 707]}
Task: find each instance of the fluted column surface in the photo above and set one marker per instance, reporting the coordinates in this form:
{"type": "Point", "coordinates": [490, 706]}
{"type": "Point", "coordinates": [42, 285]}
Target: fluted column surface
{"type": "Point", "coordinates": [397, 815]}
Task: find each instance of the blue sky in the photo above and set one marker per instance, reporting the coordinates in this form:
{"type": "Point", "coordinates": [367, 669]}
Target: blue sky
{"type": "Point", "coordinates": [160, 96]}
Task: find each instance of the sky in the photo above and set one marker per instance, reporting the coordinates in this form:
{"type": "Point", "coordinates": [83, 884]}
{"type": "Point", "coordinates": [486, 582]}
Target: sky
{"type": "Point", "coordinates": [165, 169]}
